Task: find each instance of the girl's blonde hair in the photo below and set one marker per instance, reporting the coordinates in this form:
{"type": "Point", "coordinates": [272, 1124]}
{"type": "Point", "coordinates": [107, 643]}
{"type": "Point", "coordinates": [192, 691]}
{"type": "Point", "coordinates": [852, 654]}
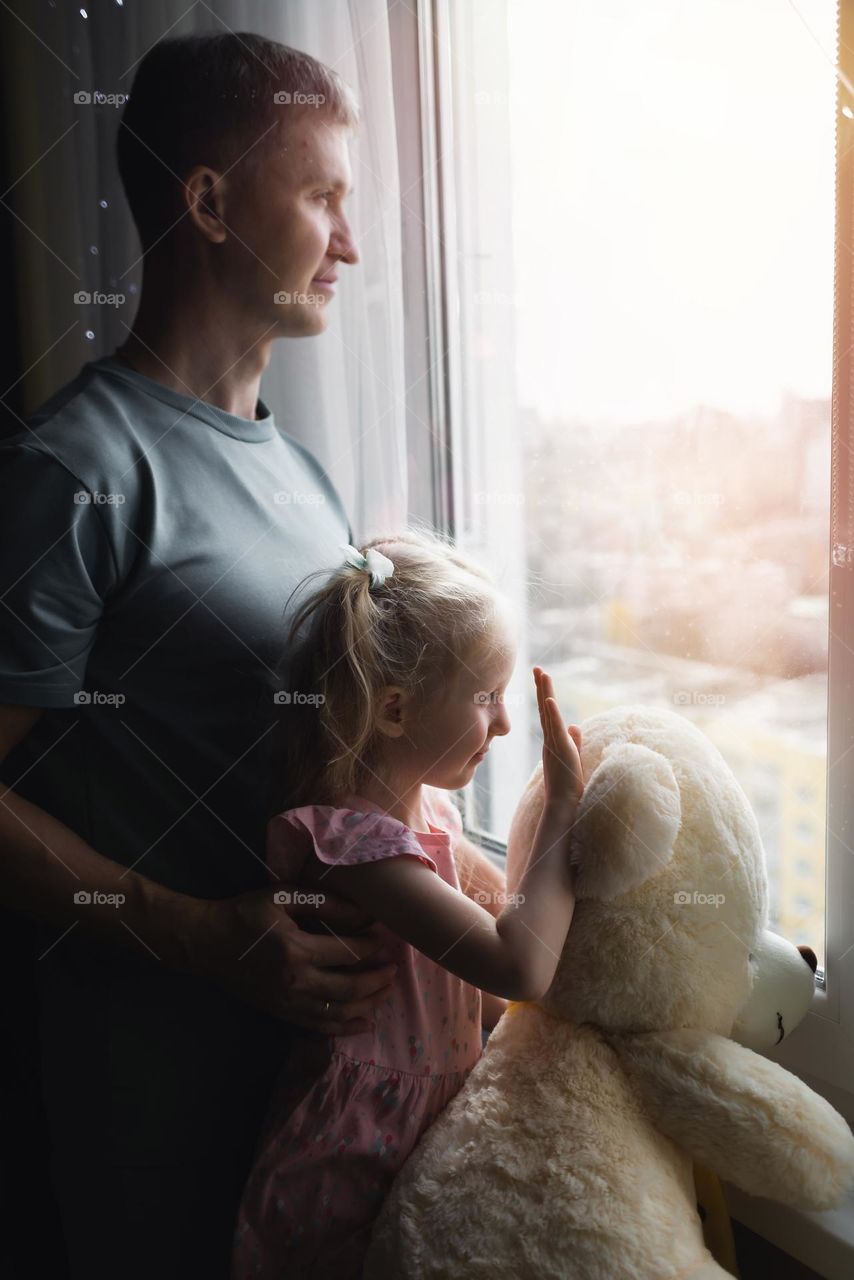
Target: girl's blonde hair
{"type": "Point", "coordinates": [350, 639]}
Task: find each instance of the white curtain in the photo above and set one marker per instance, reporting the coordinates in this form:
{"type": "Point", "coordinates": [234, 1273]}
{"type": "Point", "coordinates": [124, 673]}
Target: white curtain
{"type": "Point", "coordinates": [342, 394]}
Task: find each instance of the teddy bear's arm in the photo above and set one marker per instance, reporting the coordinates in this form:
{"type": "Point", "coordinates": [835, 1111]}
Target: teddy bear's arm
{"type": "Point", "coordinates": [746, 1118]}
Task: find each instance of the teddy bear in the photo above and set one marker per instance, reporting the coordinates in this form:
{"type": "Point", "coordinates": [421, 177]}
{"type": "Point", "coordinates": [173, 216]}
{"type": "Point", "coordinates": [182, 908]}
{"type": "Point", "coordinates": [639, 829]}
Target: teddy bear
{"type": "Point", "coordinates": [569, 1152]}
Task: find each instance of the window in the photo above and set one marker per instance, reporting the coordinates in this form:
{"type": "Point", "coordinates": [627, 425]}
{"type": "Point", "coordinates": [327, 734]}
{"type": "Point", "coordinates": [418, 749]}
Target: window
{"type": "Point", "coordinates": [641, 278]}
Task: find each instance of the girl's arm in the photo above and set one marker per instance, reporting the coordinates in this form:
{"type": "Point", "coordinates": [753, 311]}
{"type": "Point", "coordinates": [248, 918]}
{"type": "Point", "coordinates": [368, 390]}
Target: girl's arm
{"type": "Point", "coordinates": [492, 1009]}
{"type": "Point", "coordinates": [479, 878]}
{"type": "Point", "coordinates": [482, 880]}
{"type": "Point", "coordinates": [514, 955]}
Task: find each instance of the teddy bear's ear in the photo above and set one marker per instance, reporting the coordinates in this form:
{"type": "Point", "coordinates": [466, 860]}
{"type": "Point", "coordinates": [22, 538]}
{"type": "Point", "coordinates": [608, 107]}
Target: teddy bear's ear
{"type": "Point", "coordinates": [627, 821]}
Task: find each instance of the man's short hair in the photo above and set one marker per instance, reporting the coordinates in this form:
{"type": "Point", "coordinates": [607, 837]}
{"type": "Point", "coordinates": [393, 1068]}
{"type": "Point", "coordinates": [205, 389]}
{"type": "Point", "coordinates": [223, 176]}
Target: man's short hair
{"type": "Point", "coordinates": [210, 99]}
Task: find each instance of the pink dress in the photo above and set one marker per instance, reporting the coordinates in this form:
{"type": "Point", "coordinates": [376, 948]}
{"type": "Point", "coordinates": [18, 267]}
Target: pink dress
{"type": "Point", "coordinates": [349, 1109]}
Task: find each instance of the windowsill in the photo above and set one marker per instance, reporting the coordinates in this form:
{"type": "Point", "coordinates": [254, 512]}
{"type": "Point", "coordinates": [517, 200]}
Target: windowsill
{"type": "Point", "coordinates": [822, 1241]}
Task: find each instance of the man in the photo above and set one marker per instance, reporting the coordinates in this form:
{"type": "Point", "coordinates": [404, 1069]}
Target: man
{"type": "Point", "coordinates": [146, 576]}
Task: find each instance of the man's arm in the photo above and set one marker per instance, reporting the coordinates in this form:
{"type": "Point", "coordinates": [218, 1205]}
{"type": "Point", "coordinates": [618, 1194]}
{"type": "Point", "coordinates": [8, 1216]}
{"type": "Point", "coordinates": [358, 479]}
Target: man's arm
{"type": "Point", "coordinates": [482, 880]}
{"type": "Point", "coordinates": [249, 943]}
{"type": "Point", "coordinates": [46, 864]}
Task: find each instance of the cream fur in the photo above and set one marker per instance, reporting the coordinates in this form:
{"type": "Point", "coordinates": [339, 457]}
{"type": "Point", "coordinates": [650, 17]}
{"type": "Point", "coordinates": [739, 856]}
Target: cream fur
{"type": "Point", "coordinates": [568, 1153]}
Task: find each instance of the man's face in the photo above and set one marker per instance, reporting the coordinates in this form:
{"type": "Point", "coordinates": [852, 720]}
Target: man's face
{"type": "Point", "coordinates": [287, 232]}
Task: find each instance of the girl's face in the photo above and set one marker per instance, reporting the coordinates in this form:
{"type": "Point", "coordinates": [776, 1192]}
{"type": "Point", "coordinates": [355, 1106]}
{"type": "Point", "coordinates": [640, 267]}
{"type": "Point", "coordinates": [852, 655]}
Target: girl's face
{"type": "Point", "coordinates": [452, 733]}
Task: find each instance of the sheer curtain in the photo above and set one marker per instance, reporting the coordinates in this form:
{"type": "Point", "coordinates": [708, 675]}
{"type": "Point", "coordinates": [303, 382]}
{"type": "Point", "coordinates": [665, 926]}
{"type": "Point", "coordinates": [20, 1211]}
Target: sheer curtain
{"type": "Point", "coordinates": [341, 394]}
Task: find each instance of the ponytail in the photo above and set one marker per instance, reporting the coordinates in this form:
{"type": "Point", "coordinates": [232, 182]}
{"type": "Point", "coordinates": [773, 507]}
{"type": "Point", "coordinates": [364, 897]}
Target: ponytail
{"type": "Point", "coordinates": [349, 640]}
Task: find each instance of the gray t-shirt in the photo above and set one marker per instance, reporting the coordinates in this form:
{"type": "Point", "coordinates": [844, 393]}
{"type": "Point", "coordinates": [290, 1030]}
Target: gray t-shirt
{"type": "Point", "coordinates": [149, 545]}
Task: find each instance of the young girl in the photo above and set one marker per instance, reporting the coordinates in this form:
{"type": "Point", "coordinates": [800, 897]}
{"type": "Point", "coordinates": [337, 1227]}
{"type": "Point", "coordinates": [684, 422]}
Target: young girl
{"type": "Point", "coordinates": [397, 693]}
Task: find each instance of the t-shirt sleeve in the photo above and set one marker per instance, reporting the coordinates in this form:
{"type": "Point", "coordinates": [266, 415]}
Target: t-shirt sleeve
{"type": "Point", "coordinates": [55, 571]}
{"type": "Point", "coordinates": [345, 837]}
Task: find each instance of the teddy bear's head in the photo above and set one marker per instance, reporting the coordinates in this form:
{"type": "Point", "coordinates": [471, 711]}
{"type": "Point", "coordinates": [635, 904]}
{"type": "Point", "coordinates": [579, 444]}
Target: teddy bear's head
{"type": "Point", "coordinates": [671, 894]}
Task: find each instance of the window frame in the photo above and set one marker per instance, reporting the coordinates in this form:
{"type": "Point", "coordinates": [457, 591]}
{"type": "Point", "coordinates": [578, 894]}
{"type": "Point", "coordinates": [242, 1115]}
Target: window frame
{"type": "Point", "coordinates": [436, 355]}
{"type": "Point", "coordinates": [822, 1051]}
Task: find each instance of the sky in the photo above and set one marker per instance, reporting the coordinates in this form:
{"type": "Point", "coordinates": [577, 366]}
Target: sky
{"type": "Point", "coordinates": [672, 203]}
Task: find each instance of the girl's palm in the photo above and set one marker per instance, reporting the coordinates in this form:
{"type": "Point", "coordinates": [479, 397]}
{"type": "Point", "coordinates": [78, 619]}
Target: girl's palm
{"type": "Point", "coordinates": [562, 776]}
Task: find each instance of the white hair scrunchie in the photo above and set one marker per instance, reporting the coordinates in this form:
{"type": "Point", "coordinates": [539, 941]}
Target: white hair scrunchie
{"type": "Point", "coordinates": [374, 563]}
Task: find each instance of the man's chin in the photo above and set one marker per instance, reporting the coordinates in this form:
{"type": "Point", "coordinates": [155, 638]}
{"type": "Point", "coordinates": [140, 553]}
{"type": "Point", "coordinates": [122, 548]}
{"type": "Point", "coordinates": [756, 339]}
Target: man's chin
{"type": "Point", "coordinates": [305, 323]}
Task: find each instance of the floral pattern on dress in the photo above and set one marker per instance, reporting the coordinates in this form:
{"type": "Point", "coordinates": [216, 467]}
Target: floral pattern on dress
{"type": "Point", "coordinates": [350, 1109]}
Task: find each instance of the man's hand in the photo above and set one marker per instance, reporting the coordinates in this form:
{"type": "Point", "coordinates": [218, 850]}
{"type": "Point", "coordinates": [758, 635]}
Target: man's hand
{"type": "Point", "coordinates": [253, 945]}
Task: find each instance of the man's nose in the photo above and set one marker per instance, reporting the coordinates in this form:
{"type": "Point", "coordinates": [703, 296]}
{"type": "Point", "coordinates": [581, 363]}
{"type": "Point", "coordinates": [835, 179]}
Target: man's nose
{"type": "Point", "coordinates": [344, 246]}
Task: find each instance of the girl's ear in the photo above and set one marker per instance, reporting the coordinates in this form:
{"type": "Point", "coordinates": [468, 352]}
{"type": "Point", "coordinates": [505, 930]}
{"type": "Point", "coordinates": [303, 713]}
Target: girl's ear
{"type": "Point", "coordinates": [391, 705]}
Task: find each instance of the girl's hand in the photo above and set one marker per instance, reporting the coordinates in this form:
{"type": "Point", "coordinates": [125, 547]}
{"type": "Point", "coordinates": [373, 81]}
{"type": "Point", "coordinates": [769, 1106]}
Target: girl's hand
{"type": "Point", "coordinates": [562, 776]}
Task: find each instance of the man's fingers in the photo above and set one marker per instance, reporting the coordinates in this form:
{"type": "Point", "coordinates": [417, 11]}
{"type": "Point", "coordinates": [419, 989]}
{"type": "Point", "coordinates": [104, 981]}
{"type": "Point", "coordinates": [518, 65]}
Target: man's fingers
{"type": "Point", "coordinates": [327, 951]}
{"type": "Point", "coordinates": [305, 905]}
{"type": "Point", "coordinates": [345, 988]}
{"type": "Point", "coordinates": [342, 1017]}
{"type": "Point", "coordinates": [332, 1028]}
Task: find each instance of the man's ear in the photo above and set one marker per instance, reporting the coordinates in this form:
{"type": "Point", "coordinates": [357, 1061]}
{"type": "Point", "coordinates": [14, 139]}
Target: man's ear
{"type": "Point", "coordinates": [204, 196]}
{"type": "Point", "coordinates": [391, 711]}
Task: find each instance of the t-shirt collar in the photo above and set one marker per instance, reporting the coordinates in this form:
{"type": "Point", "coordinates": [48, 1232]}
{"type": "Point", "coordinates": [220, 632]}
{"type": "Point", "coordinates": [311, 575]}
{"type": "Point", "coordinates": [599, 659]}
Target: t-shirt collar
{"type": "Point", "coordinates": [252, 430]}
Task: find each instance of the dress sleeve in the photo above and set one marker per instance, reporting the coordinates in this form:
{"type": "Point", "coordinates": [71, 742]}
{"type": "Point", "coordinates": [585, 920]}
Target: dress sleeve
{"type": "Point", "coordinates": [444, 813]}
{"type": "Point", "coordinates": [346, 837]}
{"type": "Point", "coordinates": [287, 848]}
